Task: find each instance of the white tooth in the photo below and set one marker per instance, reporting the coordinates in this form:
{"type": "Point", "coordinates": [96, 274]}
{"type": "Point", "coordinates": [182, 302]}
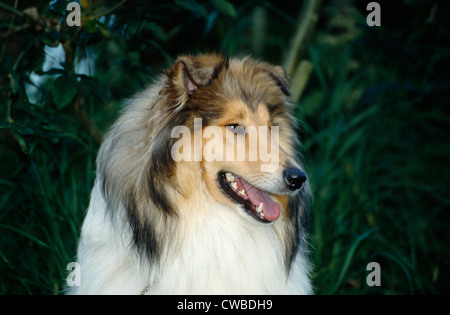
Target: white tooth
{"type": "Point", "coordinates": [234, 185]}
{"type": "Point", "coordinates": [229, 177]}
{"type": "Point", "coordinates": [259, 209]}
{"type": "Point", "coordinates": [261, 215]}
{"type": "Point", "coordinates": [242, 192]}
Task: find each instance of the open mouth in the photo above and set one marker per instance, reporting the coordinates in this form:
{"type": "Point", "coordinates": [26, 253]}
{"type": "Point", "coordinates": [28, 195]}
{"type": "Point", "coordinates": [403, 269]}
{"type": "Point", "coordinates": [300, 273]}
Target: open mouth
{"type": "Point", "coordinates": [257, 202]}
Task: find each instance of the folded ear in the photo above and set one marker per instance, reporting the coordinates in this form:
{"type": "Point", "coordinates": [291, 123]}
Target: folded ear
{"type": "Point", "coordinates": [280, 77]}
{"type": "Point", "coordinates": [191, 72]}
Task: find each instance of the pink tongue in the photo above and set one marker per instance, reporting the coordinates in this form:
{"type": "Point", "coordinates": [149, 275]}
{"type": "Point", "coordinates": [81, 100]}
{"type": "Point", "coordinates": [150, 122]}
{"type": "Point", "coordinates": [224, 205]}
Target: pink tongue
{"type": "Point", "coordinates": [271, 209]}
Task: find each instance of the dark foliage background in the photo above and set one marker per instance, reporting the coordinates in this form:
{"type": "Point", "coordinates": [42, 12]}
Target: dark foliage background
{"type": "Point", "coordinates": [373, 106]}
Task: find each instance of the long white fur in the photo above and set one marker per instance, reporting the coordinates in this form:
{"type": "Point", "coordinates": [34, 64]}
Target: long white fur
{"type": "Point", "coordinates": [221, 254]}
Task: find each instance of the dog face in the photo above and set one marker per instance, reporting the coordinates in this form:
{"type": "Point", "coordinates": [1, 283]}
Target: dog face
{"type": "Point", "coordinates": [245, 142]}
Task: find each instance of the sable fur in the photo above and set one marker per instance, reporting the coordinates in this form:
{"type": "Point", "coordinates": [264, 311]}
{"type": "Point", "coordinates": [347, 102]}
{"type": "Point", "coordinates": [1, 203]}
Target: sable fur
{"type": "Point", "coordinates": [159, 226]}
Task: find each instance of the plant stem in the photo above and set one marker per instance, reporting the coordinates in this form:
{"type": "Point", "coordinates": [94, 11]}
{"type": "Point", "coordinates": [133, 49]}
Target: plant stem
{"type": "Point", "coordinates": [306, 24]}
{"type": "Point", "coordinates": [12, 10]}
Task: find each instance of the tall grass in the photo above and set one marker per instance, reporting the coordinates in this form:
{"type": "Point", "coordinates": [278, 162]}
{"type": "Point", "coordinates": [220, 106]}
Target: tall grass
{"type": "Point", "coordinates": [41, 217]}
{"type": "Point", "coordinates": [377, 163]}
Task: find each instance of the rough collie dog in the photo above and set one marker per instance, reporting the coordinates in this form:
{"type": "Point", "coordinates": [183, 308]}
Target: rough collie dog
{"type": "Point", "coordinates": [160, 222]}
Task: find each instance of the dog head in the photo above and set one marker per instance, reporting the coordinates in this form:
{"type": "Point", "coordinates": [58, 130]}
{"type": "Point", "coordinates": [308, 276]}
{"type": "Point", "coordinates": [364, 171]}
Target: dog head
{"type": "Point", "coordinates": [238, 126]}
{"type": "Point", "coordinates": [223, 122]}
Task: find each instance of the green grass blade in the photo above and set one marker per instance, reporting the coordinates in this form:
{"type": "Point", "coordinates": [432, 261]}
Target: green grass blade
{"type": "Point", "coordinates": [25, 234]}
{"type": "Point", "coordinates": [349, 257]}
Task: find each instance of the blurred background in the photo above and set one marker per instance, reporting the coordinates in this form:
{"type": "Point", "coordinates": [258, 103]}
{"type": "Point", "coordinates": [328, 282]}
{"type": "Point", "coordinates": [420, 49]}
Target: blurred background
{"type": "Point", "coordinates": [373, 106]}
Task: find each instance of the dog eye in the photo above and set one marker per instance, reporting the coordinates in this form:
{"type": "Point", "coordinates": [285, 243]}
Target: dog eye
{"type": "Point", "coordinates": [236, 128]}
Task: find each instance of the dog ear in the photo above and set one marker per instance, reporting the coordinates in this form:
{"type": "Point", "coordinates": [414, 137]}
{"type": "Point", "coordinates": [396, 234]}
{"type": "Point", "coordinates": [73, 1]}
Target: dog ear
{"type": "Point", "coordinates": [191, 72]}
{"type": "Point", "coordinates": [280, 76]}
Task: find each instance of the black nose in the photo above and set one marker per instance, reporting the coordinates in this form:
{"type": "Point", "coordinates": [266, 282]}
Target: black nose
{"type": "Point", "coordinates": [294, 178]}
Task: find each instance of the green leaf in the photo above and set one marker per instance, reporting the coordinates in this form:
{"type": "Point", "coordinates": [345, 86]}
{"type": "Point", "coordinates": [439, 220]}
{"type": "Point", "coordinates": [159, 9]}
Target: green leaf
{"type": "Point", "coordinates": [52, 71]}
{"type": "Point", "coordinates": [20, 140]}
{"type": "Point", "coordinates": [25, 131]}
{"type": "Point", "coordinates": [50, 38]}
{"type": "Point", "coordinates": [158, 32]}
{"type": "Point", "coordinates": [193, 6]}
{"type": "Point", "coordinates": [12, 129]}
{"type": "Point", "coordinates": [10, 9]}
{"type": "Point", "coordinates": [25, 234]}
{"type": "Point", "coordinates": [58, 6]}
{"type": "Point", "coordinates": [64, 90]}
{"type": "Point", "coordinates": [349, 257]}
{"type": "Point", "coordinates": [15, 84]}
{"type": "Point", "coordinates": [225, 7]}
{"type": "Point", "coordinates": [95, 87]}
{"type": "Point", "coordinates": [91, 26]}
